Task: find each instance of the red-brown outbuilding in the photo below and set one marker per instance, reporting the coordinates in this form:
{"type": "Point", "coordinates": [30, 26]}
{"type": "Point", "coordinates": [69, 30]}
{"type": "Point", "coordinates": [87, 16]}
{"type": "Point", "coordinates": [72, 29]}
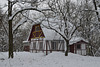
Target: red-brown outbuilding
{"type": "Point", "coordinates": [78, 46]}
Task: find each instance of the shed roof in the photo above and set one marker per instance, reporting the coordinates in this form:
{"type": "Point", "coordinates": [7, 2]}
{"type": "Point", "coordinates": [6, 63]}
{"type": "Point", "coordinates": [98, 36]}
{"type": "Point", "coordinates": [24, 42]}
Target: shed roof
{"type": "Point", "coordinates": [76, 39]}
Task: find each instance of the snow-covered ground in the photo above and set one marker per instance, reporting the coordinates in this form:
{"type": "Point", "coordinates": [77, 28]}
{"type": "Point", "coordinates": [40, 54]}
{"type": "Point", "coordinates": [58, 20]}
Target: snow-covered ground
{"type": "Point", "coordinates": [56, 59]}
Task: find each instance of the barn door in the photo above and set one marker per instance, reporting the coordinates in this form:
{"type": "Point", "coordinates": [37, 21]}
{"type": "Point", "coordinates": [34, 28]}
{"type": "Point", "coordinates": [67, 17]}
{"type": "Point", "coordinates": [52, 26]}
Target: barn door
{"type": "Point", "coordinates": [72, 48]}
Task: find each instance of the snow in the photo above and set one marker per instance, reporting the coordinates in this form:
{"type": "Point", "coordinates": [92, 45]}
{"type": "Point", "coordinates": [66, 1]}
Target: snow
{"type": "Point", "coordinates": [25, 41]}
{"type": "Point", "coordinates": [2, 3]}
{"type": "Point", "coordinates": [76, 39]}
{"type": "Point", "coordinates": [49, 34]}
{"type": "Point", "coordinates": [55, 59]}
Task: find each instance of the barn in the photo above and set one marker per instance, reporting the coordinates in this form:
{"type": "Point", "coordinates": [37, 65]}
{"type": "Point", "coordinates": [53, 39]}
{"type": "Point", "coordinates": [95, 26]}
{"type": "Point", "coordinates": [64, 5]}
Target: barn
{"type": "Point", "coordinates": [44, 40]}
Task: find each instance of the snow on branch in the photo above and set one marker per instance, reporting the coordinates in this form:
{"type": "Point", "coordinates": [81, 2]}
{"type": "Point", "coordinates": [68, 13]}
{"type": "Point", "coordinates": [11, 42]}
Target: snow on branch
{"type": "Point", "coordinates": [89, 10]}
{"type": "Point", "coordinates": [28, 8]}
{"type": "Point", "coordinates": [60, 33]}
{"type": "Point", "coordinates": [23, 20]}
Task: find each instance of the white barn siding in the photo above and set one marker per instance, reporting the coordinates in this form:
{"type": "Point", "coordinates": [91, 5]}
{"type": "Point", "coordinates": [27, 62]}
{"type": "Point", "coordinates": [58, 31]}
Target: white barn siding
{"type": "Point", "coordinates": [83, 47]}
{"type": "Point", "coordinates": [82, 51]}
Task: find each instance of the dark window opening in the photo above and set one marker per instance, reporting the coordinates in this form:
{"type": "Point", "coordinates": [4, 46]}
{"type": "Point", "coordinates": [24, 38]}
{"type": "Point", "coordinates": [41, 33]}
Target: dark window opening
{"type": "Point", "coordinates": [26, 48]}
{"type": "Point", "coordinates": [78, 46]}
{"type": "Point", "coordinates": [37, 28]}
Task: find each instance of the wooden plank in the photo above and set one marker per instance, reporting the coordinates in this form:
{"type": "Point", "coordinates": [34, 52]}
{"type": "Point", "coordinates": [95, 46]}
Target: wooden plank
{"type": "Point", "coordinates": [60, 46]}
{"type": "Point", "coordinates": [46, 49]}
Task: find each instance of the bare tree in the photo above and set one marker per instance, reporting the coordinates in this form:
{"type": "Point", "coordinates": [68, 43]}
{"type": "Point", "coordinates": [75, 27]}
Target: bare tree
{"type": "Point", "coordinates": [11, 16]}
{"type": "Point", "coordinates": [63, 19]}
{"type": "Point", "coordinates": [90, 28]}
{"type": "Point", "coordinates": [3, 34]}
{"type": "Point", "coordinates": [96, 6]}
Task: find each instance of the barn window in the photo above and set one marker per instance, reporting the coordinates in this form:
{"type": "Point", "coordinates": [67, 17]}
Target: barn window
{"type": "Point", "coordinates": [41, 46]}
{"type": "Point", "coordinates": [54, 45]}
{"type": "Point", "coordinates": [37, 28]}
{"type": "Point", "coordinates": [78, 46]}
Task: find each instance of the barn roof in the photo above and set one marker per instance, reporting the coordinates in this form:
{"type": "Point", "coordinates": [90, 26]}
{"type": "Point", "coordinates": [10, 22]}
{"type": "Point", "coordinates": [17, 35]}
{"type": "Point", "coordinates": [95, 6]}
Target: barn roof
{"type": "Point", "coordinates": [48, 33]}
{"type": "Point", "coordinates": [51, 35]}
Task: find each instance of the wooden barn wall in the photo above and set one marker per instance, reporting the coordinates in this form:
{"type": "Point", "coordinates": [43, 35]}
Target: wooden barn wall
{"type": "Point", "coordinates": [47, 45]}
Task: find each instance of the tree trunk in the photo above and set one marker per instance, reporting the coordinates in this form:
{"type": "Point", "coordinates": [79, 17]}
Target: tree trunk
{"type": "Point", "coordinates": [67, 46]}
{"type": "Point", "coordinates": [10, 30]}
{"type": "Point", "coordinates": [10, 40]}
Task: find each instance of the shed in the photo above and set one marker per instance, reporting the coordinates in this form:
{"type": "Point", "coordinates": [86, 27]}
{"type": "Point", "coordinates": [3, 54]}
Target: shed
{"type": "Point", "coordinates": [78, 45]}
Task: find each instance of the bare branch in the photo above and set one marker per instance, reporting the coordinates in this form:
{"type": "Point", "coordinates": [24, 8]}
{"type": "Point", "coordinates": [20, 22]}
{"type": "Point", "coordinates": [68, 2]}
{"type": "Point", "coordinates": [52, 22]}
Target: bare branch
{"type": "Point", "coordinates": [22, 21]}
{"type": "Point", "coordinates": [11, 18]}
{"type": "Point", "coordinates": [4, 28]}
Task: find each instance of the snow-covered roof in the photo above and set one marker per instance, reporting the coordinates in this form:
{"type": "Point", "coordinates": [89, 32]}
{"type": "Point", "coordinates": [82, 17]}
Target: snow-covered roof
{"type": "Point", "coordinates": [25, 41]}
{"type": "Point", "coordinates": [50, 34]}
{"type": "Point", "coordinates": [76, 39]}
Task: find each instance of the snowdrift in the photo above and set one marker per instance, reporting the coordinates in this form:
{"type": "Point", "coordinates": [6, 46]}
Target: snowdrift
{"type": "Point", "coordinates": [55, 59]}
